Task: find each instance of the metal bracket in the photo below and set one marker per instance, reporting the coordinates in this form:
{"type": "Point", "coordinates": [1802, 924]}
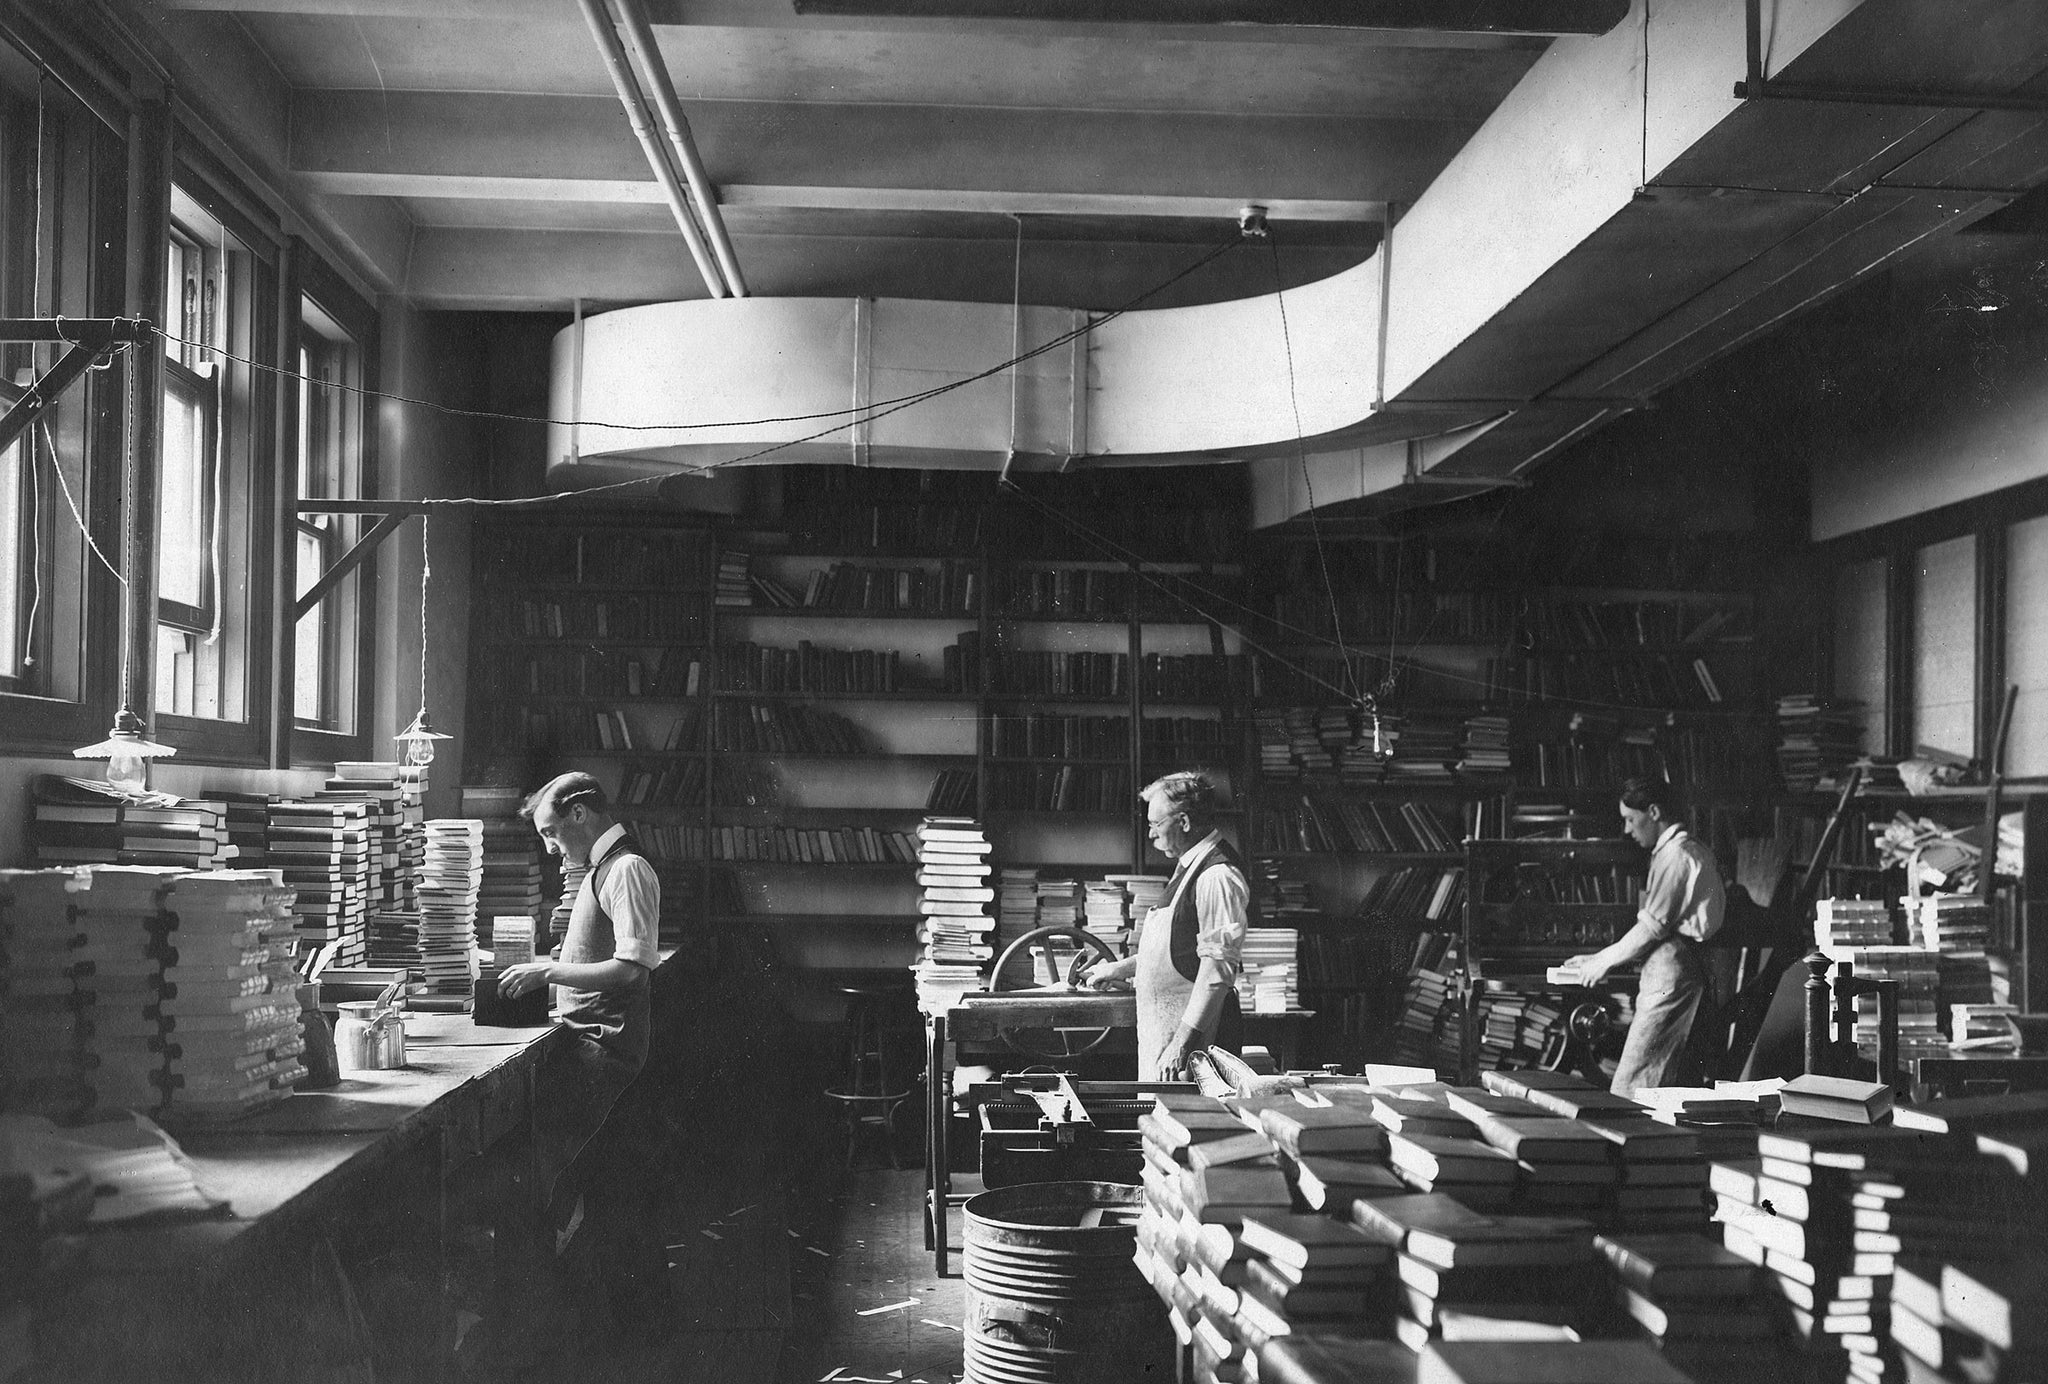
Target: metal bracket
{"type": "Point", "coordinates": [392, 513]}
{"type": "Point", "coordinates": [1755, 86]}
{"type": "Point", "coordinates": [92, 341]}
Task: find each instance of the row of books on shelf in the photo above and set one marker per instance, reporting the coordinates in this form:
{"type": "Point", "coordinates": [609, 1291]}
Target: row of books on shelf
{"type": "Point", "coordinates": [784, 728]}
{"type": "Point", "coordinates": [1331, 826]}
{"type": "Point", "coordinates": [607, 557]}
{"type": "Point", "coordinates": [1046, 735]}
{"type": "Point", "coordinates": [1034, 788]}
{"type": "Point", "coordinates": [679, 842]}
{"type": "Point", "coordinates": [658, 619]}
{"type": "Point", "coordinates": [947, 588]}
{"type": "Point", "coordinates": [745, 666]}
{"type": "Point", "coordinates": [670, 783]}
{"type": "Point", "coordinates": [1696, 756]}
{"type": "Point", "coordinates": [1418, 615]}
{"type": "Point", "coordinates": [1662, 680]}
{"type": "Point", "coordinates": [1562, 883]}
{"type": "Point", "coordinates": [672, 672]}
{"type": "Point", "coordinates": [1424, 893]}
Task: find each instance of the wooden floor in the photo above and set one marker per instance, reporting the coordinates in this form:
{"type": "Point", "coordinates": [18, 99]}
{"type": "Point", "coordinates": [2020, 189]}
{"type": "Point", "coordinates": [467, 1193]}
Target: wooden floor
{"type": "Point", "coordinates": [779, 1255]}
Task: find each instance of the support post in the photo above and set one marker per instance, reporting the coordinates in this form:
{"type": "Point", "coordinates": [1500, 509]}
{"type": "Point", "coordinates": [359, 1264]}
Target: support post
{"type": "Point", "coordinates": [1819, 1052]}
{"type": "Point", "coordinates": [149, 210]}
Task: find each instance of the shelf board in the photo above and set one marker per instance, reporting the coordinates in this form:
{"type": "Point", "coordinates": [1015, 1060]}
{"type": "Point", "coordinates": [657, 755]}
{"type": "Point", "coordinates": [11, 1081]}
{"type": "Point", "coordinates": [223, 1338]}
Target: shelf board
{"type": "Point", "coordinates": [1427, 857]}
{"type": "Point", "coordinates": [726, 694]}
{"type": "Point", "coordinates": [838, 613]}
{"type": "Point", "coordinates": [612, 641]}
{"type": "Point", "coordinates": [877, 755]}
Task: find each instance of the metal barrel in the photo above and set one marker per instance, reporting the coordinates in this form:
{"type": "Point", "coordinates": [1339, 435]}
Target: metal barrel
{"type": "Point", "coordinates": [1053, 1295]}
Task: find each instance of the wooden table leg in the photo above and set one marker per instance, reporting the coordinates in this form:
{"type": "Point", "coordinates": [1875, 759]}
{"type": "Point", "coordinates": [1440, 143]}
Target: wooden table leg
{"type": "Point", "coordinates": [939, 1161]}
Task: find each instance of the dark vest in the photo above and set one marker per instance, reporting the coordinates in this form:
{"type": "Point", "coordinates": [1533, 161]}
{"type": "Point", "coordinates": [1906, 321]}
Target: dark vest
{"type": "Point", "coordinates": [618, 1021]}
{"type": "Point", "coordinates": [1222, 855]}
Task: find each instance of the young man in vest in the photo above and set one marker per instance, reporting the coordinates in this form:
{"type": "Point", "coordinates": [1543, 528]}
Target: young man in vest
{"type": "Point", "coordinates": [1190, 947]}
{"type": "Point", "coordinates": [603, 969]}
{"type": "Point", "coordinates": [1683, 905]}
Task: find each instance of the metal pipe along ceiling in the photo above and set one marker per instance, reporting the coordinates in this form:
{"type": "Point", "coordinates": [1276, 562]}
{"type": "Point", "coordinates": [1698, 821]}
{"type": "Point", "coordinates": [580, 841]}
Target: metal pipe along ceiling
{"type": "Point", "coordinates": [620, 71]}
{"type": "Point", "coordinates": [654, 73]}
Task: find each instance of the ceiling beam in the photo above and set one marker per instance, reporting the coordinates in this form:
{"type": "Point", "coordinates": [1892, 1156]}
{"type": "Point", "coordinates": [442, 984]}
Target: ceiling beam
{"type": "Point", "coordinates": [453, 267]}
{"type": "Point", "coordinates": [350, 140]}
{"type": "Point", "coordinates": [1543, 18]}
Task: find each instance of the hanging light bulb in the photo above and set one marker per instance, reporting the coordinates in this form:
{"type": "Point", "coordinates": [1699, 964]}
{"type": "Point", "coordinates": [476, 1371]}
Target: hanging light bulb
{"type": "Point", "coordinates": [127, 752]}
{"type": "Point", "coordinates": [416, 741]}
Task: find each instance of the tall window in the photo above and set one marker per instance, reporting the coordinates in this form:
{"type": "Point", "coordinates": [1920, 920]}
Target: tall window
{"type": "Point", "coordinates": [2026, 645]}
{"type": "Point", "coordinates": [16, 578]}
{"type": "Point", "coordinates": [203, 516]}
{"type": "Point", "coordinates": [326, 643]}
{"type": "Point", "coordinates": [1945, 645]}
{"type": "Point", "coordinates": [1861, 645]}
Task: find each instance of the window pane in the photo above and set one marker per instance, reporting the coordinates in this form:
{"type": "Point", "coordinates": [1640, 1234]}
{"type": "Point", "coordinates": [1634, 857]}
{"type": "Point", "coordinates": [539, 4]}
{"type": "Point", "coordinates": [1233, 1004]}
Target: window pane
{"type": "Point", "coordinates": [177, 670]}
{"type": "Point", "coordinates": [309, 670]}
{"type": "Point", "coordinates": [14, 548]}
{"type": "Point", "coordinates": [1860, 645]}
{"type": "Point", "coordinates": [182, 548]}
{"type": "Point", "coordinates": [1945, 646]}
{"type": "Point", "coordinates": [2026, 645]}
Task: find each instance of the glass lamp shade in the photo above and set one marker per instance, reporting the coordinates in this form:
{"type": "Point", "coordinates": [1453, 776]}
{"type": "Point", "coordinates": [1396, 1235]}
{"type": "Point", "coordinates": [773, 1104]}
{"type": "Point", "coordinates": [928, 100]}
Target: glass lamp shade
{"type": "Point", "coordinates": [416, 741]}
{"type": "Point", "coordinates": [127, 753]}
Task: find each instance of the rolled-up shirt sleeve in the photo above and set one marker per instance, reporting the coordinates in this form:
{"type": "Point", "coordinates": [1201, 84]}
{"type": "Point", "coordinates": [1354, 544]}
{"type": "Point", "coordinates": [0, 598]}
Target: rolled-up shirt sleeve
{"type": "Point", "coordinates": [1668, 893]}
{"type": "Point", "coordinates": [1221, 898]}
{"type": "Point", "coordinates": [632, 899]}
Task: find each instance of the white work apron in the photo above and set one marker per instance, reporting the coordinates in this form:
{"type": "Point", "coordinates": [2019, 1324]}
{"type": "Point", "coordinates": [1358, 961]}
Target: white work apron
{"type": "Point", "coordinates": [1162, 991]}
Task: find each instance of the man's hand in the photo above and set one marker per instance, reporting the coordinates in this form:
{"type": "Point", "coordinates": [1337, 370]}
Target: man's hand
{"type": "Point", "coordinates": [1105, 975]}
{"type": "Point", "coordinates": [1173, 1062]}
{"type": "Point", "coordinates": [1592, 968]}
{"type": "Point", "coordinates": [523, 979]}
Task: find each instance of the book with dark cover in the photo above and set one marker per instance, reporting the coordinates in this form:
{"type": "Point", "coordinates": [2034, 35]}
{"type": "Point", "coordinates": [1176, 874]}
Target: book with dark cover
{"type": "Point", "coordinates": [1321, 1357]}
{"type": "Point", "coordinates": [1544, 1362]}
{"type": "Point", "coordinates": [1575, 1104]}
{"type": "Point", "coordinates": [1393, 1219]}
{"type": "Point", "coordinates": [1307, 1300]}
{"type": "Point", "coordinates": [1473, 1102]}
{"type": "Point", "coordinates": [1332, 1184]}
{"type": "Point", "coordinates": [1338, 1129]}
{"type": "Point", "coordinates": [1717, 1319]}
{"type": "Point", "coordinates": [1543, 1139]}
{"type": "Point", "coordinates": [1245, 1146]}
{"type": "Point", "coordinates": [1441, 1158]}
{"type": "Point", "coordinates": [1579, 1285]}
{"type": "Point", "coordinates": [1242, 1185]}
{"type": "Point", "coordinates": [1311, 1241]}
{"type": "Point", "coordinates": [1416, 1115]}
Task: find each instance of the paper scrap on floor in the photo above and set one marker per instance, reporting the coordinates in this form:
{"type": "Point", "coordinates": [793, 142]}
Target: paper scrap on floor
{"type": "Point", "coordinates": [887, 1307]}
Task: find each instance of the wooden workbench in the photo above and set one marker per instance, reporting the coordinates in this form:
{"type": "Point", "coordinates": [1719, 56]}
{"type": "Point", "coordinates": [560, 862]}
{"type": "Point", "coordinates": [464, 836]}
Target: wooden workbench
{"type": "Point", "coordinates": [335, 1240]}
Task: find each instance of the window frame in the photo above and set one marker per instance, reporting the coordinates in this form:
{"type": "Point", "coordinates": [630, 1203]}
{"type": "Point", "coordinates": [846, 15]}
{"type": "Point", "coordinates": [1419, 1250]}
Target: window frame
{"type": "Point", "coordinates": [1984, 517]}
{"type": "Point", "coordinates": [83, 231]}
{"type": "Point", "coordinates": [199, 739]}
{"type": "Point", "coordinates": [308, 276]}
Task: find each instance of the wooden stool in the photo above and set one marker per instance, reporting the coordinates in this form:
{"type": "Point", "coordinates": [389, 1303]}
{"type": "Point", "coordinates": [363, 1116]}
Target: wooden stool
{"type": "Point", "coordinates": [872, 1088]}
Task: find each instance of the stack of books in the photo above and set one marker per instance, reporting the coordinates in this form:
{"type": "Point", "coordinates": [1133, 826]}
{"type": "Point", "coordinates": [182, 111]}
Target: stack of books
{"type": "Point", "coordinates": [245, 817]}
{"type": "Point", "coordinates": [1467, 1275]}
{"type": "Point", "coordinates": [1146, 892]}
{"type": "Point", "coordinates": [1566, 1167]}
{"type": "Point", "coordinates": [1949, 922]}
{"type": "Point", "coordinates": [512, 867]}
{"type": "Point", "coordinates": [378, 784]}
{"type": "Point", "coordinates": [952, 860]}
{"type": "Point", "coordinates": [1696, 1301]}
{"type": "Point", "coordinates": [394, 944]}
{"type": "Point", "coordinates": [1817, 740]}
{"type": "Point", "coordinates": [1102, 912]}
{"type": "Point", "coordinates": [1174, 1247]}
{"type": "Point", "coordinates": [1306, 1271]}
{"type": "Point", "coordinates": [323, 848]}
{"type": "Point", "coordinates": [120, 917]}
{"type": "Point", "coordinates": [78, 821]}
{"type": "Point", "coordinates": [1460, 1165]}
{"type": "Point", "coordinates": [1840, 924]}
{"type": "Point", "coordinates": [1058, 902]}
{"type": "Point", "coordinates": [45, 1039]}
{"type": "Point", "coordinates": [1016, 914]}
{"type": "Point", "coordinates": [1428, 1031]}
{"type": "Point", "coordinates": [733, 588]}
{"type": "Point", "coordinates": [229, 1011]}
{"type": "Point", "coordinates": [1486, 745]}
{"type": "Point", "coordinates": [1269, 979]}
{"type": "Point", "coordinates": [1283, 899]}
{"type": "Point", "coordinates": [1276, 756]}
{"type": "Point", "coordinates": [573, 876]}
{"type": "Point", "coordinates": [450, 885]}
{"type": "Point", "coordinates": [1792, 1212]}
{"type": "Point", "coordinates": [1919, 976]}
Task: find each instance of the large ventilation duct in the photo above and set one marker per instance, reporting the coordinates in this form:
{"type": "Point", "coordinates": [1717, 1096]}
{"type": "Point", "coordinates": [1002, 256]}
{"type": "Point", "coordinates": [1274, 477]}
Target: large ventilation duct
{"type": "Point", "coordinates": [1542, 285]}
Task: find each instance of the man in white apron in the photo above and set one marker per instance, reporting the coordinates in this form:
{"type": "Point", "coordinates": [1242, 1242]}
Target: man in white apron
{"type": "Point", "coordinates": [1190, 947]}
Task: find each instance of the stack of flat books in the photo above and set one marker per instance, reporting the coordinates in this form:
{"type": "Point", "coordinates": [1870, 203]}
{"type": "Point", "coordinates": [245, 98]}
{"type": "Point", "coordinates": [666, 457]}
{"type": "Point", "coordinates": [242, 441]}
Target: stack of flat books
{"type": "Point", "coordinates": [1520, 1362]}
{"type": "Point", "coordinates": [1950, 922]}
{"type": "Point", "coordinates": [229, 1012]}
{"type": "Point", "coordinates": [245, 817]}
{"type": "Point", "coordinates": [323, 848]}
{"type": "Point", "coordinates": [1839, 924]}
{"type": "Point", "coordinates": [1016, 914]}
{"type": "Point", "coordinates": [45, 1040]}
{"type": "Point", "coordinates": [1269, 981]}
{"type": "Point", "coordinates": [450, 885]}
{"type": "Point", "coordinates": [377, 784]}
{"type": "Point", "coordinates": [573, 876]}
{"type": "Point", "coordinates": [1696, 1301]}
{"type": "Point", "coordinates": [954, 921]}
{"type": "Point", "coordinates": [1174, 1247]}
{"type": "Point", "coordinates": [1792, 1212]}
{"type": "Point", "coordinates": [1475, 1172]}
{"type": "Point", "coordinates": [1308, 1270]}
{"type": "Point", "coordinates": [76, 821]}
{"type": "Point", "coordinates": [121, 922]}
{"type": "Point", "coordinates": [1473, 1275]}
{"type": "Point", "coordinates": [1331, 1357]}
{"type": "Point", "coordinates": [1103, 912]}
{"type": "Point", "coordinates": [1566, 1167]}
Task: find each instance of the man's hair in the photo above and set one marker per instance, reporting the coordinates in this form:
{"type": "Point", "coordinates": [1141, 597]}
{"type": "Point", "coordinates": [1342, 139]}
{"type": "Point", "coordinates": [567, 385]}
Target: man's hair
{"type": "Point", "coordinates": [1642, 794]}
{"type": "Point", "coordinates": [565, 791]}
{"type": "Point", "coordinates": [1187, 791]}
